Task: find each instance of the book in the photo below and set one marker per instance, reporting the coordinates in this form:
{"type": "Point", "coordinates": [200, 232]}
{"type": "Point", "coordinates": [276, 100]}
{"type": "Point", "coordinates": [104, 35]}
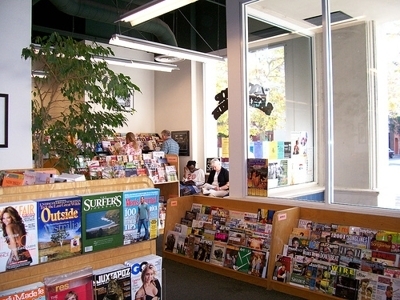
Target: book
{"type": "Point", "coordinates": [218, 253]}
{"type": "Point", "coordinates": [78, 284]}
{"type": "Point", "coordinates": [350, 256]}
{"type": "Point", "coordinates": [367, 284]}
{"type": "Point", "coordinates": [346, 282]}
{"type": "Point", "coordinates": [391, 272]}
{"type": "Point", "coordinates": [259, 262]}
{"type": "Point", "coordinates": [20, 249]}
{"type": "Point", "coordinates": [140, 266]}
{"type": "Point", "coordinates": [231, 255]}
{"type": "Point", "coordinates": [102, 223]}
{"type": "Point", "coordinates": [205, 247]}
{"type": "Point", "coordinates": [243, 259]}
{"type": "Point", "coordinates": [387, 288]}
{"type": "Point", "coordinates": [257, 177]}
{"type": "Point", "coordinates": [112, 282]}
{"type": "Point", "coordinates": [196, 208]}
{"type": "Point", "coordinates": [134, 228]}
{"type": "Point", "coordinates": [304, 223]}
{"type": "Point", "coordinates": [171, 241]}
{"type": "Point", "coordinates": [358, 241]}
{"type": "Point", "coordinates": [386, 258]}
{"type": "Point", "coordinates": [59, 228]}
{"type": "Point", "coordinates": [171, 174]}
{"type": "Point", "coordinates": [33, 291]}
{"type": "Point", "coordinates": [377, 245]}
{"type": "Point", "coordinates": [13, 179]}
{"type": "Point", "coordinates": [282, 268]}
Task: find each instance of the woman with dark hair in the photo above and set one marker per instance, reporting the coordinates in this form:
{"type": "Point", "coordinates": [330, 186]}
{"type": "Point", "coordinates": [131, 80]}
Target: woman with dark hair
{"type": "Point", "coordinates": [14, 233]}
{"type": "Point", "coordinates": [193, 178]}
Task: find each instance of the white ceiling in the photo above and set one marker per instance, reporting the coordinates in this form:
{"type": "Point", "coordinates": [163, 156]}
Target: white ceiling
{"type": "Point", "coordinates": [296, 11]}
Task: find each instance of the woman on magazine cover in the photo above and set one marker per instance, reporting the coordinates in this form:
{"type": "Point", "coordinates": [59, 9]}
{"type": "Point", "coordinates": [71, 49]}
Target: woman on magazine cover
{"type": "Point", "coordinates": [151, 288]}
{"type": "Point", "coordinates": [14, 233]}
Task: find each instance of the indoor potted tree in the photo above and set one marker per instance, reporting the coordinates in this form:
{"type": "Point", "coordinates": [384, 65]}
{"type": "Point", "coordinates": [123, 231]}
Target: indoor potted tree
{"type": "Point", "coordinates": [74, 102]}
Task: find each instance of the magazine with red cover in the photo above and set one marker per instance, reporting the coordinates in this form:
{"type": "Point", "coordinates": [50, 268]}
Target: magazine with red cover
{"type": "Point", "coordinates": [78, 284]}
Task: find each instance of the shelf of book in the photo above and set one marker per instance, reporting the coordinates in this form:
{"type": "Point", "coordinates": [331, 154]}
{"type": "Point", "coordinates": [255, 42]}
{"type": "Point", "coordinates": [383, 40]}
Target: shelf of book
{"type": "Point", "coordinates": [96, 260]}
{"type": "Point", "coordinates": [285, 220]}
{"type": "Point", "coordinates": [176, 208]}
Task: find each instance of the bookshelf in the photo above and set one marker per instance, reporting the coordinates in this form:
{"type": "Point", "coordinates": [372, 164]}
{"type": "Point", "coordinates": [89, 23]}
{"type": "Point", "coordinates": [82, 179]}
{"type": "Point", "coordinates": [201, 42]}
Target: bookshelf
{"type": "Point", "coordinates": [97, 260]}
{"type": "Point", "coordinates": [285, 219]}
{"type": "Point", "coordinates": [176, 208]}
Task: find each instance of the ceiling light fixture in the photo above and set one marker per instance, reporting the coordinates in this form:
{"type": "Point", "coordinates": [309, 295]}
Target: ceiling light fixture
{"type": "Point", "coordinates": [139, 64]}
{"type": "Point", "coordinates": [138, 44]}
{"type": "Point", "coordinates": [152, 10]}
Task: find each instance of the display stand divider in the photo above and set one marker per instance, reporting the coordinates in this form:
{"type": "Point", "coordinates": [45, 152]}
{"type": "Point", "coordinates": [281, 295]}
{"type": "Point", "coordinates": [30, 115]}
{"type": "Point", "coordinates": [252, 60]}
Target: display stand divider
{"type": "Point", "coordinates": [31, 274]}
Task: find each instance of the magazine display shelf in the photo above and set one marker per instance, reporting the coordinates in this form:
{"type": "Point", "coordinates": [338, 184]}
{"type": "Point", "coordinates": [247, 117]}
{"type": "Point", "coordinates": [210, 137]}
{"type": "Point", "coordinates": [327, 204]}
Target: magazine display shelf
{"type": "Point", "coordinates": [176, 208]}
{"type": "Point", "coordinates": [27, 275]}
{"type": "Point", "coordinates": [285, 220]}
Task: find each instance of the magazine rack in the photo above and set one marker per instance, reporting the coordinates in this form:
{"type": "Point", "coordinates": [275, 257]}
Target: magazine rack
{"type": "Point", "coordinates": [284, 220]}
{"type": "Point", "coordinates": [177, 207]}
{"type": "Point", "coordinates": [97, 260]}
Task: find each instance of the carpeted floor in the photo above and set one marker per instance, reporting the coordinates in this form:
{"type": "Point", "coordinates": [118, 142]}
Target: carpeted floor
{"type": "Point", "coordinates": [185, 282]}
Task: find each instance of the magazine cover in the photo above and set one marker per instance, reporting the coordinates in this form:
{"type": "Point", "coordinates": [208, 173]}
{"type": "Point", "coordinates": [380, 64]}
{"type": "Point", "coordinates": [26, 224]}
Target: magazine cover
{"type": "Point", "coordinates": [141, 215]}
{"type": "Point", "coordinates": [259, 261]}
{"type": "Point", "coordinates": [346, 282]}
{"type": "Point", "coordinates": [18, 235]}
{"type": "Point", "coordinates": [101, 221]}
{"type": "Point", "coordinates": [218, 253]}
{"type": "Point", "coordinates": [73, 285]}
{"type": "Point", "coordinates": [144, 270]}
{"type": "Point", "coordinates": [59, 228]}
{"type": "Point", "coordinates": [113, 282]}
{"type": "Point", "coordinates": [257, 177]}
{"type": "Point", "coordinates": [34, 291]}
{"type": "Point", "coordinates": [243, 259]}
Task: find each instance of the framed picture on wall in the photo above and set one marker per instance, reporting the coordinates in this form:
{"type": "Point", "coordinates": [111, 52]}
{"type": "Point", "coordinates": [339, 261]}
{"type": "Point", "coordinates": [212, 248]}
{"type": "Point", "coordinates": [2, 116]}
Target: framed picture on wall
{"type": "Point", "coordinates": [127, 103]}
{"type": "Point", "coordinates": [3, 120]}
{"type": "Point", "coordinates": [182, 138]}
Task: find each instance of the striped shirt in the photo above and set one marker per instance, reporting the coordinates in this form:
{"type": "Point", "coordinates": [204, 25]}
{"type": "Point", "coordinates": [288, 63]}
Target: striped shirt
{"type": "Point", "coordinates": [170, 146]}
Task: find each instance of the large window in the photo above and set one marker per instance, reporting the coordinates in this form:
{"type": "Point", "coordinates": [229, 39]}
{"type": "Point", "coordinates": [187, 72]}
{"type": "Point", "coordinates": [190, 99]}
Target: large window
{"type": "Point", "coordinates": [342, 95]}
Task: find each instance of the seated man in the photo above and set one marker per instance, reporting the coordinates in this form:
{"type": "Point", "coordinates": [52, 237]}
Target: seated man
{"type": "Point", "coordinates": [193, 178]}
{"type": "Point", "coordinates": [218, 181]}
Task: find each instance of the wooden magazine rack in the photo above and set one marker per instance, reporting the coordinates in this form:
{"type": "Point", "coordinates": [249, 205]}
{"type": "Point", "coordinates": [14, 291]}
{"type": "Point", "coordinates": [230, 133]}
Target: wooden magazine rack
{"type": "Point", "coordinates": [285, 219]}
{"type": "Point", "coordinates": [31, 274]}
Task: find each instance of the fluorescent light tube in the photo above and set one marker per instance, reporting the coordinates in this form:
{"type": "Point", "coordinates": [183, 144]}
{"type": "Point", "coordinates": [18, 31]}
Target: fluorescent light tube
{"type": "Point", "coordinates": [138, 44]}
{"type": "Point", "coordinates": [152, 10]}
{"type": "Point", "coordinates": [139, 64]}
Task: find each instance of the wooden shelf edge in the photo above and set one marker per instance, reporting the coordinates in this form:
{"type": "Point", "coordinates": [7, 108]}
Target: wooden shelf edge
{"type": "Point", "coordinates": [298, 291]}
{"type": "Point", "coordinates": [216, 269]}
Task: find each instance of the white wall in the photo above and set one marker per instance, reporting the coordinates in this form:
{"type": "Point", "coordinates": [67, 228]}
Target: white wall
{"type": "Point", "coordinates": [177, 97]}
{"type": "Point", "coordinates": [15, 80]}
{"type": "Point", "coordinates": [143, 120]}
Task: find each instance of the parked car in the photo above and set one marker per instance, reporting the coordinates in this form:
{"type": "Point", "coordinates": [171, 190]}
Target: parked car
{"type": "Point", "coordinates": [391, 153]}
